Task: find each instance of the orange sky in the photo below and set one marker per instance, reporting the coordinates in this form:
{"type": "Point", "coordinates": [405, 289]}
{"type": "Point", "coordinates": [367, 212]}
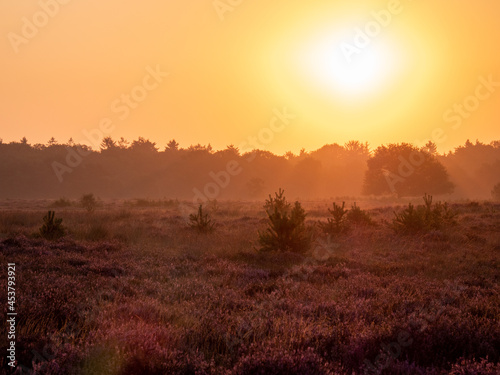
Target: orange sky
{"type": "Point", "coordinates": [231, 68]}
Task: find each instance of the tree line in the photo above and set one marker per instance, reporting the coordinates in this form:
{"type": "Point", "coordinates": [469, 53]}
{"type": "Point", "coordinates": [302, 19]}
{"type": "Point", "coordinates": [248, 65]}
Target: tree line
{"type": "Point", "coordinates": [122, 169]}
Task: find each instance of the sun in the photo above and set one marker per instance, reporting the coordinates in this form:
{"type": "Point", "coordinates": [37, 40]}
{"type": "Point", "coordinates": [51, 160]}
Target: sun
{"type": "Point", "coordinates": [347, 70]}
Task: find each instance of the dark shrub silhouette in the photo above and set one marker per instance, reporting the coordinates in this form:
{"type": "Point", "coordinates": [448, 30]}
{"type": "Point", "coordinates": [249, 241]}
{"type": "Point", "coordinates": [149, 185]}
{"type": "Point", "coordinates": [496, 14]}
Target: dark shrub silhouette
{"type": "Point", "coordinates": [424, 217]}
{"type": "Point", "coordinates": [357, 216]}
{"type": "Point", "coordinates": [52, 228]}
{"type": "Point", "coordinates": [338, 222]}
{"type": "Point", "coordinates": [61, 202]}
{"type": "Point", "coordinates": [89, 202]}
{"type": "Point", "coordinates": [201, 222]}
{"type": "Point", "coordinates": [286, 229]}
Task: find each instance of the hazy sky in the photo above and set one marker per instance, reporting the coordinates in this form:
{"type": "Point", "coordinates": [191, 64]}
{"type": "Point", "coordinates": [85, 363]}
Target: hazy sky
{"type": "Point", "coordinates": [342, 71]}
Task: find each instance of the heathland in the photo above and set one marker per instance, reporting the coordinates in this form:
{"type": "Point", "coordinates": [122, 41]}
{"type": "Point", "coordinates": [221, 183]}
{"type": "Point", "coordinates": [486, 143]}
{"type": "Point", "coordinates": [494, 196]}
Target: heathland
{"type": "Point", "coordinates": [131, 288]}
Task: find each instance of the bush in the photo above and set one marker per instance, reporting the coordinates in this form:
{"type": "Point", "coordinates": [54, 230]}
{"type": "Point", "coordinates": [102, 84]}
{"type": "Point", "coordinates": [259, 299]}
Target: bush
{"type": "Point", "coordinates": [409, 221]}
{"type": "Point", "coordinates": [52, 228]}
{"type": "Point", "coordinates": [97, 232]}
{"type": "Point", "coordinates": [338, 222]}
{"type": "Point", "coordinates": [61, 202]}
{"type": "Point", "coordinates": [202, 222]}
{"type": "Point", "coordinates": [357, 216]}
{"type": "Point", "coordinates": [423, 217]}
{"type": "Point", "coordinates": [89, 202]}
{"type": "Point", "coordinates": [495, 193]}
{"type": "Point", "coordinates": [286, 227]}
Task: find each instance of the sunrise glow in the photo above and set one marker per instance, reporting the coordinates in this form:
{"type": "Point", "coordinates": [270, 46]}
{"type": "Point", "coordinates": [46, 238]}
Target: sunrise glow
{"type": "Point", "coordinates": [377, 71]}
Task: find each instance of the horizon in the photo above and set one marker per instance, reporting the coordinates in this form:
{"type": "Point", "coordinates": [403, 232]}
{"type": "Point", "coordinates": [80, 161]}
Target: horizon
{"type": "Point", "coordinates": [161, 147]}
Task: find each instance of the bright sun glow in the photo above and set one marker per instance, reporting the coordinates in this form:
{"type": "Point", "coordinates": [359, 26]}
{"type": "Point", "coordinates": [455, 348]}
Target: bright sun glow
{"type": "Point", "coordinates": [368, 71]}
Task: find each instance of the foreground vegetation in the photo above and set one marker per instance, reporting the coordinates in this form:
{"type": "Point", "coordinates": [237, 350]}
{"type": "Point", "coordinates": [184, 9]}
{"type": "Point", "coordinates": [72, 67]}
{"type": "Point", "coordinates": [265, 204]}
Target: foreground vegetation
{"type": "Point", "coordinates": [135, 290]}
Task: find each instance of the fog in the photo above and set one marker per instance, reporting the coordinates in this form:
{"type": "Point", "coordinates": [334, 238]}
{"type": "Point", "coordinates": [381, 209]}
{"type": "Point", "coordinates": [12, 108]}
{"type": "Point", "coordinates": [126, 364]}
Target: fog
{"type": "Point", "coordinates": [140, 170]}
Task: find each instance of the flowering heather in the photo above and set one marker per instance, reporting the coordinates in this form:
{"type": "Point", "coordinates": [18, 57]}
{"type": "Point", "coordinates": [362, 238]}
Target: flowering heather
{"type": "Point", "coordinates": [155, 297]}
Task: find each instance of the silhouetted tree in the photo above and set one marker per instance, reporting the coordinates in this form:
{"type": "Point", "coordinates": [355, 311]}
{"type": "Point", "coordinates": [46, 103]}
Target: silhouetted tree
{"type": "Point", "coordinates": [357, 147]}
{"type": "Point", "coordinates": [39, 146]}
{"type": "Point", "coordinates": [172, 146]}
{"type": "Point", "coordinates": [430, 147]}
{"type": "Point", "coordinates": [474, 167]}
{"type": "Point", "coordinates": [232, 151]}
{"type": "Point", "coordinates": [52, 142]}
{"type": "Point", "coordinates": [405, 170]}
{"type": "Point", "coordinates": [199, 148]}
{"type": "Point", "coordinates": [24, 141]}
{"type": "Point", "coordinates": [143, 145]}
{"type": "Point", "coordinates": [108, 144]}
{"type": "Point", "coordinates": [286, 229]}
{"type": "Point", "coordinates": [123, 143]}
{"type": "Point", "coordinates": [468, 144]}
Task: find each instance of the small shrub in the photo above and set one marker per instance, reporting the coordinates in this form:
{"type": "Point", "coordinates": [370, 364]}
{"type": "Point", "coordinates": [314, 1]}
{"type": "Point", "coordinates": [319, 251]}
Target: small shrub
{"type": "Point", "coordinates": [357, 216]}
{"type": "Point", "coordinates": [409, 221]}
{"type": "Point", "coordinates": [89, 202]}
{"type": "Point", "coordinates": [443, 215]}
{"type": "Point", "coordinates": [97, 232]}
{"type": "Point", "coordinates": [338, 222]}
{"type": "Point", "coordinates": [61, 203]}
{"type": "Point", "coordinates": [495, 193]}
{"type": "Point", "coordinates": [286, 229]}
{"type": "Point", "coordinates": [201, 222]}
{"type": "Point", "coordinates": [423, 217]}
{"type": "Point", "coordinates": [52, 228]}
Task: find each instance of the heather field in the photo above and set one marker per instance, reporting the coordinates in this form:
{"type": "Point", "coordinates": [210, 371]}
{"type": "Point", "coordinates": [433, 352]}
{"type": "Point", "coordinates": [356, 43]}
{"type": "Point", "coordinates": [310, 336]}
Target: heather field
{"type": "Point", "coordinates": [132, 289]}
